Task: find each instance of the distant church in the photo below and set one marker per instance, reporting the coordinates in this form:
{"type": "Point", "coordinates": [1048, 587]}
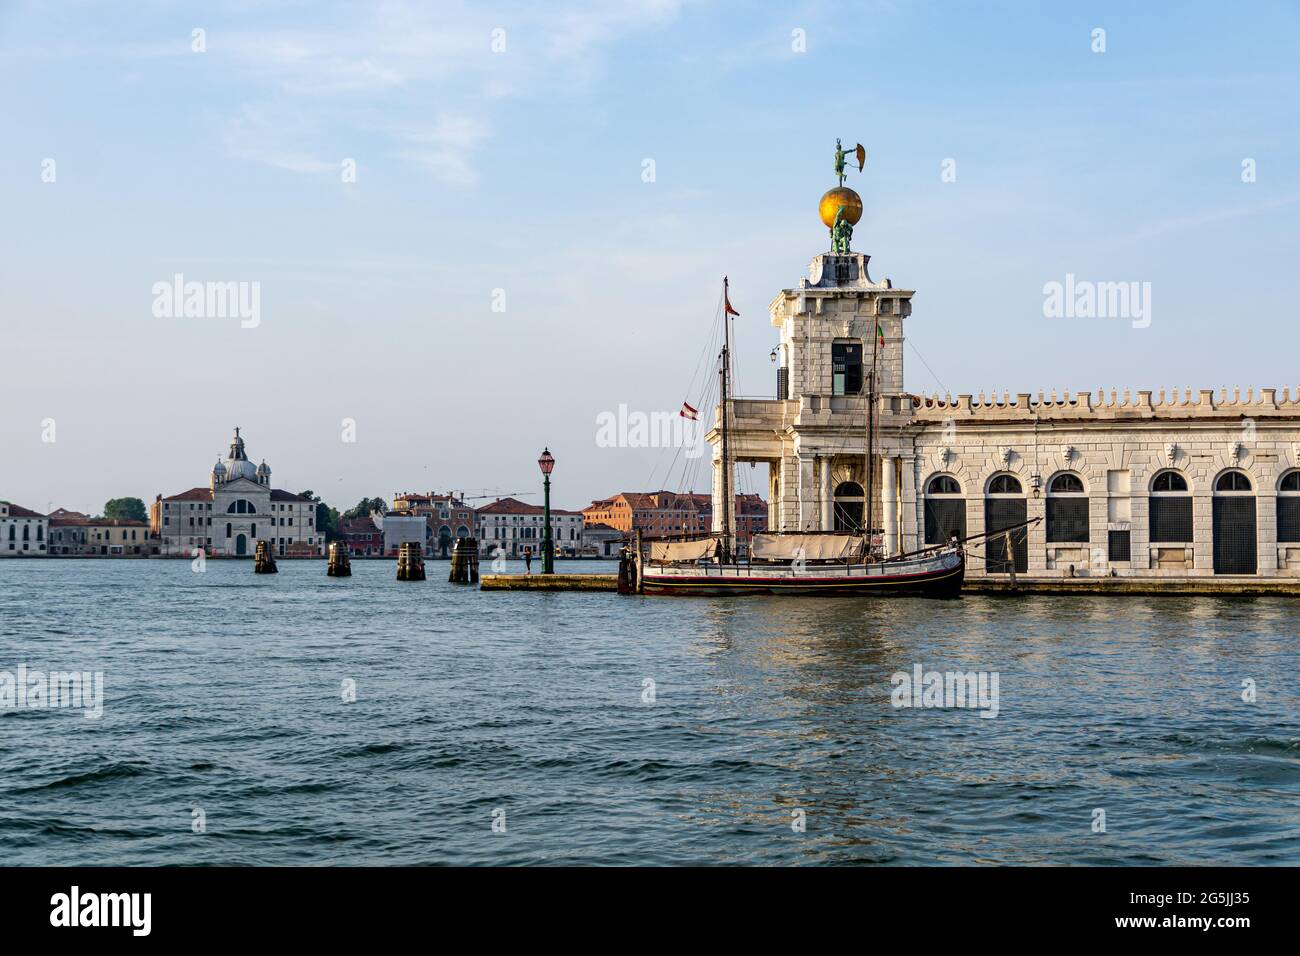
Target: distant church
{"type": "Point", "coordinates": [1143, 484]}
{"type": "Point", "coordinates": [237, 509]}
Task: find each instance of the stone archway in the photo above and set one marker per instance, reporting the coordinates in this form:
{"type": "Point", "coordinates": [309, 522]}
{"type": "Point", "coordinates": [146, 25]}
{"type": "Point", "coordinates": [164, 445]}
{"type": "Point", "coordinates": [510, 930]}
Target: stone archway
{"type": "Point", "coordinates": [241, 545]}
{"type": "Point", "coordinates": [849, 506]}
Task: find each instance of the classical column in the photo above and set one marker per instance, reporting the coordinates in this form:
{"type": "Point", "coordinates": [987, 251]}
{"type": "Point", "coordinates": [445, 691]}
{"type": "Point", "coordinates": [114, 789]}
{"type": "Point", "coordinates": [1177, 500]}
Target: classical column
{"type": "Point", "coordinates": [889, 499]}
{"type": "Point", "coordinates": [807, 493]}
{"type": "Point", "coordinates": [827, 499]}
{"type": "Point", "coordinates": [774, 495]}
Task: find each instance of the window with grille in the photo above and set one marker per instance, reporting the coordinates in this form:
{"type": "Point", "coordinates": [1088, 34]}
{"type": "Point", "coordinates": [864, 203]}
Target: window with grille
{"type": "Point", "coordinates": [1234, 534]}
{"type": "Point", "coordinates": [1288, 508]}
{"type": "Point", "coordinates": [1000, 514]}
{"type": "Point", "coordinates": [1119, 545]}
{"type": "Point", "coordinates": [1171, 519]}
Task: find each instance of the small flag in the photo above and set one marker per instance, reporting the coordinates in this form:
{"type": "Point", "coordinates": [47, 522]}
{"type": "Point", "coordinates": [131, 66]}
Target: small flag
{"type": "Point", "coordinates": [880, 334]}
{"type": "Point", "coordinates": [730, 311]}
{"type": "Point", "coordinates": [689, 412]}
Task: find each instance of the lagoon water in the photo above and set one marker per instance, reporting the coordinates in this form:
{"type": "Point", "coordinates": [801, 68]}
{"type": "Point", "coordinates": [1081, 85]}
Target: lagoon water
{"type": "Point", "coordinates": [223, 694]}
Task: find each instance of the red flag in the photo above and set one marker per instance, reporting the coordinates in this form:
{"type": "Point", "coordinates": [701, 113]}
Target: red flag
{"type": "Point", "coordinates": [690, 412]}
{"type": "Point", "coordinates": [730, 311]}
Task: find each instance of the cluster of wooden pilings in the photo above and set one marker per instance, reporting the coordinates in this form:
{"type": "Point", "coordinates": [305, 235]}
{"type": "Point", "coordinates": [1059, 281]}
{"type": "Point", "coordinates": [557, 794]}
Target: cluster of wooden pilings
{"type": "Point", "coordinates": [410, 562]}
{"type": "Point", "coordinates": [263, 561]}
{"type": "Point", "coordinates": [464, 561]}
{"type": "Point", "coordinates": [340, 566]}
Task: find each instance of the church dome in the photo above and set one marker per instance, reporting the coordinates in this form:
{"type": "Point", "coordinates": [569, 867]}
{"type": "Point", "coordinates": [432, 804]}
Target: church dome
{"type": "Point", "coordinates": [240, 468]}
{"type": "Point", "coordinates": [219, 469]}
{"type": "Point", "coordinates": [264, 470]}
{"type": "Point", "coordinates": [237, 463]}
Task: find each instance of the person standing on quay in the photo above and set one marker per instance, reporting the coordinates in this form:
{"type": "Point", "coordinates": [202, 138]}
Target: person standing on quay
{"type": "Point", "coordinates": [528, 560]}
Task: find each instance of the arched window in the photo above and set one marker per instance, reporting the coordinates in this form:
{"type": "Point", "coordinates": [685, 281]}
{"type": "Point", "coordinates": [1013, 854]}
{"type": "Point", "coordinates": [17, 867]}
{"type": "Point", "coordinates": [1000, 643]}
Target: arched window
{"type": "Point", "coordinates": [943, 485]}
{"type": "Point", "coordinates": [1235, 547]}
{"type": "Point", "coordinates": [241, 506]}
{"type": "Point", "coordinates": [1169, 509]}
{"type": "Point", "coordinates": [1232, 481]}
{"type": "Point", "coordinates": [1288, 507]}
{"type": "Point", "coordinates": [1005, 485]}
{"type": "Point", "coordinates": [1005, 509]}
{"type": "Point", "coordinates": [1167, 481]}
{"type": "Point", "coordinates": [945, 510]}
{"type": "Point", "coordinates": [1067, 509]}
{"type": "Point", "coordinates": [27, 532]}
{"type": "Point", "coordinates": [848, 502]}
{"type": "Point", "coordinates": [228, 529]}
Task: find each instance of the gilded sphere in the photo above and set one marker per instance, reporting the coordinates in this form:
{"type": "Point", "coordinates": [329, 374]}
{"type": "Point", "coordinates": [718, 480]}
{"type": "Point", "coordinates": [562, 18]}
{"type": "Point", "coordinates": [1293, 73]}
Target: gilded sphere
{"type": "Point", "coordinates": [834, 199]}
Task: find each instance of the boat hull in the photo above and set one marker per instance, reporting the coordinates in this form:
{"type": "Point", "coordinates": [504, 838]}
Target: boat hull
{"type": "Point", "coordinates": [941, 577]}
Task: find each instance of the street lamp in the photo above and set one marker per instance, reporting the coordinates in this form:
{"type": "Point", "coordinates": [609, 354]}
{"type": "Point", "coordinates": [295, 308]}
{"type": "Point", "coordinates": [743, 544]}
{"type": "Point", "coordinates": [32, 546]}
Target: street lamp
{"type": "Point", "coordinates": [546, 463]}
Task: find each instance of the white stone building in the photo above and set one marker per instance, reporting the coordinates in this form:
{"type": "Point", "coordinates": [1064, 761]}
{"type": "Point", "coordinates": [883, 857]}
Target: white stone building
{"type": "Point", "coordinates": [1140, 484]}
{"type": "Point", "coordinates": [23, 532]}
{"type": "Point", "coordinates": [237, 509]}
{"type": "Point", "coordinates": [515, 526]}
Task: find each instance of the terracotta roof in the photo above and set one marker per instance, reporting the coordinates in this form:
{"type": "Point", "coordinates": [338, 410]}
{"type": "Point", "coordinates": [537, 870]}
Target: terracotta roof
{"type": "Point", "coordinates": [357, 526]}
{"type": "Point", "coordinates": [194, 494]}
{"type": "Point", "coordinates": [65, 513]}
{"type": "Point", "coordinates": [278, 495]}
{"type": "Point", "coordinates": [510, 506]}
{"type": "Point", "coordinates": [601, 527]}
{"type": "Point", "coordinates": [18, 511]}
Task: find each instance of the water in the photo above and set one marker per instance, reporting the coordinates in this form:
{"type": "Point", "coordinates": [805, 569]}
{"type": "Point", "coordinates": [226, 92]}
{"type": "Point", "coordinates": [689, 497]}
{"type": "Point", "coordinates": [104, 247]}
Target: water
{"type": "Point", "coordinates": [223, 694]}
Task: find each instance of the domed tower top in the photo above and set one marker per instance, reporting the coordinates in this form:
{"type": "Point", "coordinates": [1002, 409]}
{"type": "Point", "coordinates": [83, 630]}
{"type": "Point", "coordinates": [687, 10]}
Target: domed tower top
{"type": "Point", "coordinates": [237, 463]}
{"type": "Point", "coordinates": [263, 473]}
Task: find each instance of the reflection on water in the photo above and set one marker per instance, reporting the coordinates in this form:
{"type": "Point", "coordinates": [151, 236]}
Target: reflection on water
{"type": "Point", "coordinates": [223, 693]}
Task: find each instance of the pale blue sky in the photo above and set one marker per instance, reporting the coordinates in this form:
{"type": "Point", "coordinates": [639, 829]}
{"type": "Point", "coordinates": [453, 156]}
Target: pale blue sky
{"type": "Point", "coordinates": [522, 170]}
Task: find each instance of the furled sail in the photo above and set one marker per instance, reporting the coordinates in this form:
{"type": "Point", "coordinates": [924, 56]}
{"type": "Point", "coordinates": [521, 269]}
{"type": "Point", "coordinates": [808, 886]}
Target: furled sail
{"type": "Point", "coordinates": [665, 551]}
{"type": "Point", "coordinates": [810, 547]}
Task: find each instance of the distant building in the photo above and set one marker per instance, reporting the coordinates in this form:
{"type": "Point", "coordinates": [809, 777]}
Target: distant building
{"type": "Point", "coordinates": [22, 532]}
{"type": "Point", "coordinates": [362, 536]}
{"type": "Point", "coordinates": [399, 527]}
{"type": "Point", "coordinates": [74, 534]}
{"type": "Point", "coordinates": [666, 514]}
{"type": "Point", "coordinates": [601, 541]}
{"type": "Point", "coordinates": [447, 516]}
{"type": "Point", "coordinates": [237, 509]}
{"type": "Point", "coordinates": [515, 526]}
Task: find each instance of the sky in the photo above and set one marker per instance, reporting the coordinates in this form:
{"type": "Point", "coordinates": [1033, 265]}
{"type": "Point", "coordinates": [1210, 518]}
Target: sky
{"type": "Point", "coordinates": [474, 228]}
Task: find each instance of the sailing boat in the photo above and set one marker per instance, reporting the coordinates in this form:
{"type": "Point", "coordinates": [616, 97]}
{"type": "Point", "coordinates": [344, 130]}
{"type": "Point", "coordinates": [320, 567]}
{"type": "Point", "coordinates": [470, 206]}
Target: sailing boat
{"type": "Point", "coordinates": [792, 562]}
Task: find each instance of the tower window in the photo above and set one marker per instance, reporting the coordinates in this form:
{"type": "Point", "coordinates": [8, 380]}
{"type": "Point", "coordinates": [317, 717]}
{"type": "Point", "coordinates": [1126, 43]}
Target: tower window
{"type": "Point", "coordinates": [846, 365]}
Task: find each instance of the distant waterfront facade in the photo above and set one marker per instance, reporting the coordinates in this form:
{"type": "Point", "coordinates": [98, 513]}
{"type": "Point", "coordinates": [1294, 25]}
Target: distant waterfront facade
{"type": "Point", "coordinates": [22, 532]}
{"type": "Point", "coordinates": [237, 509]}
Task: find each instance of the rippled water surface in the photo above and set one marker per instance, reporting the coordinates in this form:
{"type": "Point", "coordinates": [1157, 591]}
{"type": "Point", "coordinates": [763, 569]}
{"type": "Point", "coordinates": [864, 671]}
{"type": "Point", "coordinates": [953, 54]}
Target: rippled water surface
{"type": "Point", "coordinates": [223, 693]}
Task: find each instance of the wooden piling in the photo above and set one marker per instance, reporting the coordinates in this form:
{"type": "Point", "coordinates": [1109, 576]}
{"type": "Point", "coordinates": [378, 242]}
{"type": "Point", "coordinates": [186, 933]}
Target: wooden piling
{"type": "Point", "coordinates": [464, 561]}
{"type": "Point", "coordinates": [263, 561]}
{"type": "Point", "coordinates": [340, 565]}
{"type": "Point", "coordinates": [410, 562]}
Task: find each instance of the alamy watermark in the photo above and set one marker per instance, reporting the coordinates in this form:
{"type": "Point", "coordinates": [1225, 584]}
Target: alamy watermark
{"type": "Point", "coordinates": [179, 299]}
{"type": "Point", "coordinates": [625, 429]}
{"type": "Point", "coordinates": [39, 690]}
{"type": "Point", "coordinates": [1085, 299]}
{"type": "Point", "coordinates": [976, 690]}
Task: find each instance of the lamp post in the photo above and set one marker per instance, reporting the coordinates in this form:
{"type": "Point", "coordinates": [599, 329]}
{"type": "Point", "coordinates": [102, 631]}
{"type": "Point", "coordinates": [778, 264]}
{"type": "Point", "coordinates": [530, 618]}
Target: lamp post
{"type": "Point", "coordinates": [546, 463]}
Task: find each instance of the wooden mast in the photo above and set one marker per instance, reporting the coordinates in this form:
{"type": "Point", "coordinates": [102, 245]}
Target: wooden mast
{"type": "Point", "coordinates": [871, 440]}
{"type": "Point", "coordinates": [724, 551]}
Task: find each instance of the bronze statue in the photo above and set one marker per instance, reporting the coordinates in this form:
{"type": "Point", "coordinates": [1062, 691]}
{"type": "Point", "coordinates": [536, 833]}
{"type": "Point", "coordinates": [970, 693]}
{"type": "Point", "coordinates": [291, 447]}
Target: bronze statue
{"type": "Point", "coordinates": [841, 234]}
{"type": "Point", "coordinates": [859, 154]}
